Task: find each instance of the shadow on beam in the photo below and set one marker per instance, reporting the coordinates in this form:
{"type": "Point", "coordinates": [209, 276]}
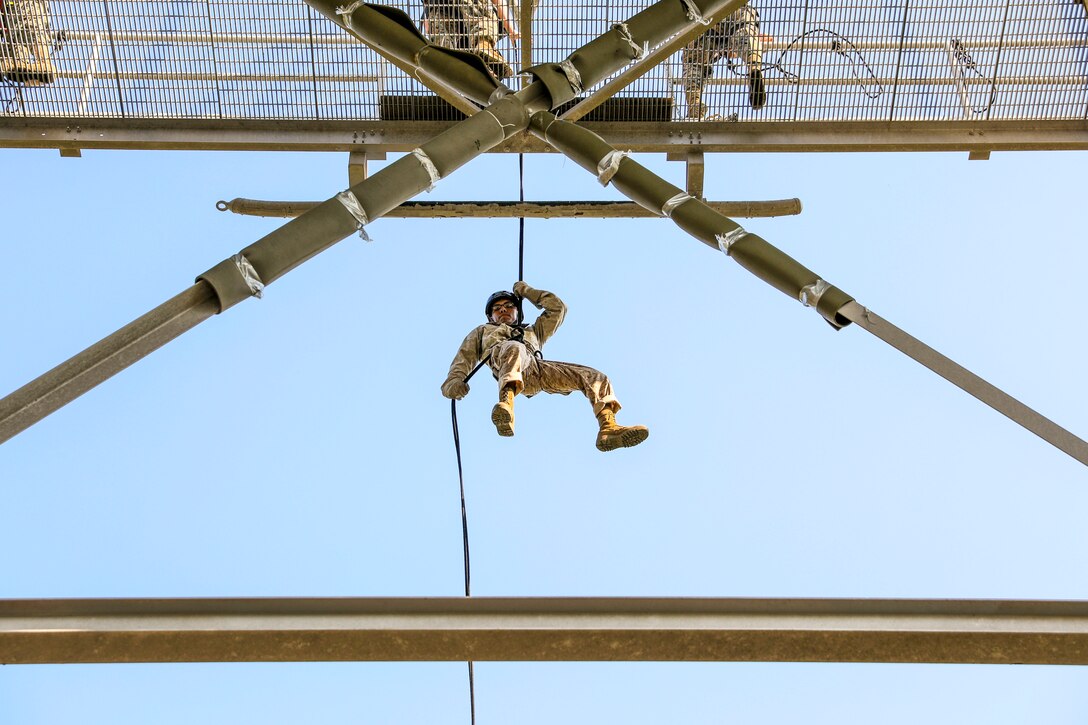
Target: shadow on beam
{"type": "Point", "coordinates": [543, 629]}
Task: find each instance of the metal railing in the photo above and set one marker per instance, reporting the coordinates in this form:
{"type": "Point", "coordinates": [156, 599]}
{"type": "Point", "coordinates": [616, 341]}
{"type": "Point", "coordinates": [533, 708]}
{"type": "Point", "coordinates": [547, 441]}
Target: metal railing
{"type": "Point", "coordinates": [837, 61]}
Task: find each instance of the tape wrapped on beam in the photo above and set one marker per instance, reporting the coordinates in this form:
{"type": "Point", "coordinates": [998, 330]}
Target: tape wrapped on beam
{"type": "Point", "coordinates": [557, 81]}
{"type": "Point", "coordinates": [234, 279]}
{"type": "Point", "coordinates": [638, 51]}
{"type": "Point", "coordinates": [355, 208]}
{"type": "Point", "coordinates": [695, 14]}
{"type": "Point", "coordinates": [389, 28]}
{"type": "Point", "coordinates": [392, 31]}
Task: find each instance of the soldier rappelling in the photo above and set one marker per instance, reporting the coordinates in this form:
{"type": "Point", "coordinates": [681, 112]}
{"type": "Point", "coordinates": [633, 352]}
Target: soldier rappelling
{"type": "Point", "coordinates": [511, 349]}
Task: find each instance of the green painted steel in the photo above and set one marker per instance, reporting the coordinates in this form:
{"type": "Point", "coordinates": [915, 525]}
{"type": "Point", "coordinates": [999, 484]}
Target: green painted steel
{"type": "Point", "coordinates": [635, 181]}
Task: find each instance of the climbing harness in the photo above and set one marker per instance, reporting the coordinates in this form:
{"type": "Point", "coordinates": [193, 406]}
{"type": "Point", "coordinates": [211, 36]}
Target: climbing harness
{"type": "Point", "coordinates": [519, 334]}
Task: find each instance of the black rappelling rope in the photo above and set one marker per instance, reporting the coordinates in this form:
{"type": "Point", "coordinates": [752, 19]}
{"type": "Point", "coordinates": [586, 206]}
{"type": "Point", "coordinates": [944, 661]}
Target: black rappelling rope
{"type": "Point", "coordinates": [521, 219]}
{"type": "Point", "coordinates": [457, 436]}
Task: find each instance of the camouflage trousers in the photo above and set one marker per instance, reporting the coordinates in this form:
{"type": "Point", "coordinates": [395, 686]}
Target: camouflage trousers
{"type": "Point", "coordinates": [737, 35]}
{"type": "Point", "coordinates": [26, 23]}
{"type": "Point", "coordinates": [513, 364]}
{"type": "Point", "coordinates": [462, 24]}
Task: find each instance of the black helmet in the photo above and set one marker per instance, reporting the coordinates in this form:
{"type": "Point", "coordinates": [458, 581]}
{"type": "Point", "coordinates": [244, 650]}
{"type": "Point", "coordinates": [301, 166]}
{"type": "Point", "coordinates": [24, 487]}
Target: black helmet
{"type": "Point", "coordinates": [502, 295]}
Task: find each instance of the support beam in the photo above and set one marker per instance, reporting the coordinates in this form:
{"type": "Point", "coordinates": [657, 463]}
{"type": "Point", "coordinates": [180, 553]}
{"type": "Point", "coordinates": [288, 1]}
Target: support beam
{"type": "Point", "coordinates": [644, 66]}
{"type": "Point", "coordinates": [357, 161]}
{"type": "Point", "coordinates": [403, 136]}
{"type": "Point", "coordinates": [525, 26]}
{"type": "Point", "coordinates": [543, 629]}
{"type": "Point", "coordinates": [246, 274]}
{"type": "Point", "coordinates": [694, 162]}
{"type": "Point", "coordinates": [516, 209]}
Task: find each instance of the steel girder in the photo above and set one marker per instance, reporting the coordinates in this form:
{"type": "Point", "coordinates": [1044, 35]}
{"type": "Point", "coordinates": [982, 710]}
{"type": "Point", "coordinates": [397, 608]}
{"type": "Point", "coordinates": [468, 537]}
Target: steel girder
{"type": "Point", "coordinates": [62, 631]}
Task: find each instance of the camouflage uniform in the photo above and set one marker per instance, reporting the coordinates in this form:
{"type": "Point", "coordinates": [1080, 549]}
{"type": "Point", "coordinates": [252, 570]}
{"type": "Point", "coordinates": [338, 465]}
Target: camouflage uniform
{"type": "Point", "coordinates": [24, 55]}
{"type": "Point", "coordinates": [738, 35]}
{"type": "Point", "coordinates": [513, 362]}
{"type": "Point", "coordinates": [471, 25]}
{"type": "Point", "coordinates": [460, 24]}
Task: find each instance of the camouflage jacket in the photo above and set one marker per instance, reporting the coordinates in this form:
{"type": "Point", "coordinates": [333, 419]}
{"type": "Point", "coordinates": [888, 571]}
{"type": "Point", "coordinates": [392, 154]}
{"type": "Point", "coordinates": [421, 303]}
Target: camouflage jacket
{"type": "Point", "coordinates": [478, 343]}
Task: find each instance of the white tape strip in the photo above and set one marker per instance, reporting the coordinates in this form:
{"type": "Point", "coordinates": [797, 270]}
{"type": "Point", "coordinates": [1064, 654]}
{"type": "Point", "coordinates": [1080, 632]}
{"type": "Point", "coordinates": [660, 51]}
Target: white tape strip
{"type": "Point", "coordinates": [249, 275]}
{"type": "Point", "coordinates": [346, 12]}
{"type": "Point", "coordinates": [674, 202]}
{"type": "Point", "coordinates": [428, 166]}
{"type": "Point", "coordinates": [727, 240]}
{"type": "Point", "coordinates": [694, 13]}
{"type": "Point", "coordinates": [498, 94]}
{"type": "Point", "coordinates": [351, 203]}
{"type": "Point", "coordinates": [625, 34]}
{"type": "Point", "coordinates": [573, 76]}
{"type": "Point", "coordinates": [609, 165]}
{"type": "Point", "coordinates": [810, 295]}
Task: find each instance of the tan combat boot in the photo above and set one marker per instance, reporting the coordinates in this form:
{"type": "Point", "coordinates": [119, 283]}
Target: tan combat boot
{"type": "Point", "coordinates": [502, 415]}
{"type": "Point", "coordinates": [613, 435]}
{"type": "Point", "coordinates": [485, 48]}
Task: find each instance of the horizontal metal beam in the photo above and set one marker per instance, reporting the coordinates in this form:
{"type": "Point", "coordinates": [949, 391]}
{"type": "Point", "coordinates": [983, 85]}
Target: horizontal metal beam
{"type": "Point", "coordinates": [43, 631]}
{"type": "Point", "coordinates": [516, 209]}
{"type": "Point", "coordinates": [586, 105]}
{"type": "Point", "coordinates": [707, 136]}
{"type": "Point", "coordinates": [324, 39]}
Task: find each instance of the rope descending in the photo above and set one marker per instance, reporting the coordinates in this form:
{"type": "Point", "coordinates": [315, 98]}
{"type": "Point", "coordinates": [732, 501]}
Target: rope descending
{"type": "Point", "coordinates": [457, 436]}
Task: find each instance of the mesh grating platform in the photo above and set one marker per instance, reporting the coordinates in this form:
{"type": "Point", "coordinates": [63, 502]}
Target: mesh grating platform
{"type": "Point", "coordinates": [822, 61]}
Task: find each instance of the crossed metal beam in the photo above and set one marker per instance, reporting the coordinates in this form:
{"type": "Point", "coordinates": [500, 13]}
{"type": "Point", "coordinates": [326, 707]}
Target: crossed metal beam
{"type": "Point", "coordinates": [502, 115]}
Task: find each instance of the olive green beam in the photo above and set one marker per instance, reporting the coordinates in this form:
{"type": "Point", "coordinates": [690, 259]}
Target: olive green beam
{"type": "Point", "coordinates": [647, 189]}
{"type": "Point", "coordinates": [66, 382]}
{"type": "Point", "coordinates": [515, 209]}
{"type": "Point", "coordinates": [443, 629]}
{"type": "Point", "coordinates": [270, 258]}
{"type": "Point", "coordinates": [785, 274]}
{"type": "Point", "coordinates": [329, 222]}
{"type": "Point", "coordinates": [391, 31]}
{"type": "Point", "coordinates": [966, 380]}
{"type": "Point", "coordinates": [645, 65]}
{"type": "Point", "coordinates": [612, 51]}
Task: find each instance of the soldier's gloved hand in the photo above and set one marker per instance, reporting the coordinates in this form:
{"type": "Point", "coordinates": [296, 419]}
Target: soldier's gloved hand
{"type": "Point", "coordinates": [520, 288]}
{"type": "Point", "coordinates": [454, 388]}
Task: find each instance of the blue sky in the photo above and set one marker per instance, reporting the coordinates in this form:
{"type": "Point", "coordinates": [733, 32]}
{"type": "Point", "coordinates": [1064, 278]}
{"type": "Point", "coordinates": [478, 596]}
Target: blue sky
{"type": "Point", "coordinates": [298, 445]}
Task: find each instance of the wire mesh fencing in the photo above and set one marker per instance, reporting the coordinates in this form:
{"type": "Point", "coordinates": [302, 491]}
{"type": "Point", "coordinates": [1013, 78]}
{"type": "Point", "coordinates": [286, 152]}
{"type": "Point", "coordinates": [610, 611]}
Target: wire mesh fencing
{"type": "Point", "coordinates": [775, 60]}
